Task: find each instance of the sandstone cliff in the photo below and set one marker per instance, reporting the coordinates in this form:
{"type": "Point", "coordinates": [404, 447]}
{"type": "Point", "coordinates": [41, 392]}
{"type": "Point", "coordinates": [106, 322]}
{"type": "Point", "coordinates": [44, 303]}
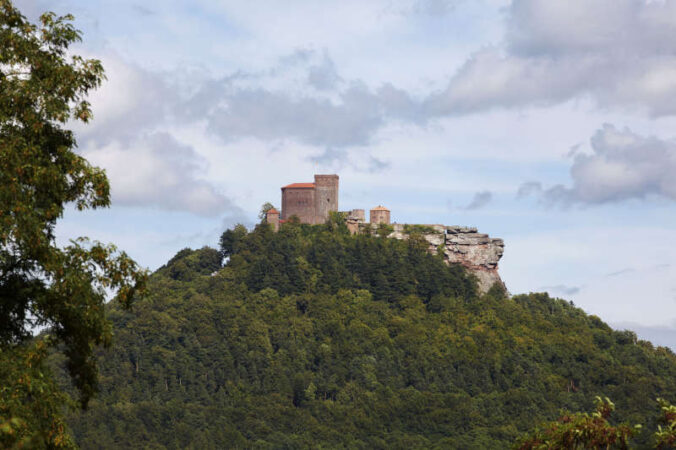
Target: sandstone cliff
{"type": "Point", "coordinates": [477, 252]}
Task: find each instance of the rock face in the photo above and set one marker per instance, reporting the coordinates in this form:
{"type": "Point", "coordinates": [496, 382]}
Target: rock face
{"type": "Point", "coordinates": [477, 252]}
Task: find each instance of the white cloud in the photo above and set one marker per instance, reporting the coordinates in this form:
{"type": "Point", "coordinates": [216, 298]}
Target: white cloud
{"type": "Point", "coordinates": [625, 27]}
{"type": "Point", "coordinates": [133, 138]}
{"type": "Point", "coordinates": [158, 171]}
{"type": "Point", "coordinates": [323, 76]}
{"type": "Point", "coordinates": [623, 165]}
{"type": "Point", "coordinates": [435, 8]}
{"type": "Point", "coordinates": [273, 115]}
{"type": "Point", "coordinates": [302, 98]}
{"type": "Point", "coordinates": [616, 52]}
{"type": "Point", "coordinates": [130, 101]}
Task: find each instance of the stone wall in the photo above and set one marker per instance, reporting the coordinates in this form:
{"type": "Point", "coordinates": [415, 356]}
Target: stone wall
{"type": "Point", "coordinates": [299, 202]}
{"type": "Point", "coordinates": [477, 252]}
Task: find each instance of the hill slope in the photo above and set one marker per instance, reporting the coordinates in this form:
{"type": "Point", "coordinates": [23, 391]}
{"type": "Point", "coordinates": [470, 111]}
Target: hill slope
{"type": "Point", "coordinates": [311, 337]}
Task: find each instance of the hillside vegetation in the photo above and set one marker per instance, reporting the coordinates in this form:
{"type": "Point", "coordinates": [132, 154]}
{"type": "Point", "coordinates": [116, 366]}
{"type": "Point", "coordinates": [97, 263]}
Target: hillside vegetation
{"type": "Point", "coordinates": [312, 338]}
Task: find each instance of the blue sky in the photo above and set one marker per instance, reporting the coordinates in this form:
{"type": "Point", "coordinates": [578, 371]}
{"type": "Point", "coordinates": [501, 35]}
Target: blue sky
{"type": "Point", "coordinates": [547, 123]}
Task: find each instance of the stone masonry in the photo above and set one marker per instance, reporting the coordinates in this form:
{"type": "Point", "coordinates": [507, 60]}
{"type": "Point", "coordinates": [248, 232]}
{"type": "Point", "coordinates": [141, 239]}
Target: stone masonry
{"type": "Point", "coordinates": [310, 202]}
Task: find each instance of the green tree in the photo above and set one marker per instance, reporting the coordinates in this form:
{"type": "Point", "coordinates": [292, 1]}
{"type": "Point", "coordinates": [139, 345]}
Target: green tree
{"type": "Point", "coordinates": [666, 437]}
{"type": "Point", "coordinates": [62, 289]}
{"type": "Point", "coordinates": [384, 230]}
{"type": "Point", "coordinates": [267, 206]}
{"type": "Point", "coordinates": [582, 431]}
{"type": "Point", "coordinates": [231, 238]}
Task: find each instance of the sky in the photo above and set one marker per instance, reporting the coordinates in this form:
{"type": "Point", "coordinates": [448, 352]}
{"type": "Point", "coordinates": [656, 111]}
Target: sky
{"type": "Point", "coordinates": [548, 123]}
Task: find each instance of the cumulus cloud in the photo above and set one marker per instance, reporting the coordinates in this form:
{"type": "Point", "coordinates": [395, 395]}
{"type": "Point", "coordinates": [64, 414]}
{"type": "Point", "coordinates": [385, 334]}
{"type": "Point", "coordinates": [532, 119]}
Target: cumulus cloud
{"type": "Point", "coordinates": [480, 200]}
{"type": "Point", "coordinates": [161, 172]}
{"type": "Point", "coordinates": [130, 101]}
{"type": "Point", "coordinates": [616, 52]}
{"type": "Point", "coordinates": [623, 165]}
{"type": "Point", "coordinates": [323, 76]}
{"type": "Point", "coordinates": [540, 27]}
{"type": "Point", "coordinates": [550, 54]}
{"type": "Point", "coordinates": [434, 8]}
{"type": "Point", "coordinates": [339, 157]}
{"type": "Point", "coordinates": [137, 108]}
{"type": "Point", "coordinates": [267, 115]}
{"type": "Point", "coordinates": [131, 138]}
{"type": "Point", "coordinates": [349, 116]}
{"type": "Point", "coordinates": [529, 188]}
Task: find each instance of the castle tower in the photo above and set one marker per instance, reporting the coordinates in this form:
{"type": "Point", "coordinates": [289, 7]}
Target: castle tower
{"type": "Point", "coordinates": [272, 217]}
{"type": "Point", "coordinates": [326, 197]}
{"type": "Point", "coordinates": [379, 215]}
{"type": "Point", "coordinates": [298, 199]}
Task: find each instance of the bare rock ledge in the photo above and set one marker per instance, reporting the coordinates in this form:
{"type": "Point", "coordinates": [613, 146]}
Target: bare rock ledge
{"type": "Point", "coordinates": [477, 252]}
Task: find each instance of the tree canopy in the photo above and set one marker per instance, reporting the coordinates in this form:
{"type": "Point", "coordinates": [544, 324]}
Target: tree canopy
{"type": "Point", "coordinates": [42, 285]}
{"type": "Point", "coordinates": [310, 337]}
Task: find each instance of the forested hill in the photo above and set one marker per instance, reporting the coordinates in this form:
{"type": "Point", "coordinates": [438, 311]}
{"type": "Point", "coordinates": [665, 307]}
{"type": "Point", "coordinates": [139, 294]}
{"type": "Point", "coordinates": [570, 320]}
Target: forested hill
{"type": "Point", "coordinates": [312, 338]}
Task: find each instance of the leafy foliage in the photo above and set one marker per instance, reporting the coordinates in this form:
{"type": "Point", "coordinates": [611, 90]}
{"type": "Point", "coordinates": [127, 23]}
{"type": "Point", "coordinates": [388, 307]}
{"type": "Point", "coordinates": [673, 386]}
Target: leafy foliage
{"type": "Point", "coordinates": [230, 240]}
{"type": "Point", "coordinates": [419, 229]}
{"type": "Point", "coordinates": [313, 338]}
{"type": "Point", "coordinates": [583, 431]}
{"type": "Point", "coordinates": [42, 285]}
{"type": "Point", "coordinates": [262, 215]}
{"type": "Point", "coordinates": [187, 265]}
{"type": "Point", "coordinates": [666, 437]}
{"type": "Point", "coordinates": [30, 401]}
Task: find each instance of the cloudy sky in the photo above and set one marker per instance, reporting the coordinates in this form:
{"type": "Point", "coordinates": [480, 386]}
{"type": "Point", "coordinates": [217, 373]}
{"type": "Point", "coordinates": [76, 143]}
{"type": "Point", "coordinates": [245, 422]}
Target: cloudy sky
{"type": "Point", "coordinates": [551, 124]}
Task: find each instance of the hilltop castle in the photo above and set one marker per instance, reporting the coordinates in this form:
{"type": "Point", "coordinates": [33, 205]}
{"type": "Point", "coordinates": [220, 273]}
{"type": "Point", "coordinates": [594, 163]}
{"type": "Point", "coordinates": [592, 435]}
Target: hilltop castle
{"type": "Point", "coordinates": [312, 202]}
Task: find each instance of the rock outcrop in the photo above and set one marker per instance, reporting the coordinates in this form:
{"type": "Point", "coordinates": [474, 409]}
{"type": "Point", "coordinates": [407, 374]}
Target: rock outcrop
{"type": "Point", "coordinates": [477, 252]}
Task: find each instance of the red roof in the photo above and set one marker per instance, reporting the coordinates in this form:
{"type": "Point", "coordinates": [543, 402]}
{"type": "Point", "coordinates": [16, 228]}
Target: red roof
{"type": "Point", "coordinates": [379, 208]}
{"type": "Point", "coordinates": [272, 211]}
{"type": "Point", "coordinates": [299, 186]}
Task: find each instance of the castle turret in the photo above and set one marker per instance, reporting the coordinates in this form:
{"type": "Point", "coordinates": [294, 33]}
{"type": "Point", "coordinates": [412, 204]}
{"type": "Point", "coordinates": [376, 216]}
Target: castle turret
{"type": "Point", "coordinates": [379, 215]}
{"type": "Point", "coordinates": [272, 217]}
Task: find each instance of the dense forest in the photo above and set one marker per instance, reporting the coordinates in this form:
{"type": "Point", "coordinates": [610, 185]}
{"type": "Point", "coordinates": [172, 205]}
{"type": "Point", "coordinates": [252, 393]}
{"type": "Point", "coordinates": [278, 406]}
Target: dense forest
{"type": "Point", "coordinates": [306, 338]}
{"type": "Point", "coordinates": [311, 337]}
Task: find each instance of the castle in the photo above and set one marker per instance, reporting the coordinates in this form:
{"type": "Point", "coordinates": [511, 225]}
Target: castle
{"type": "Point", "coordinates": [312, 202]}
